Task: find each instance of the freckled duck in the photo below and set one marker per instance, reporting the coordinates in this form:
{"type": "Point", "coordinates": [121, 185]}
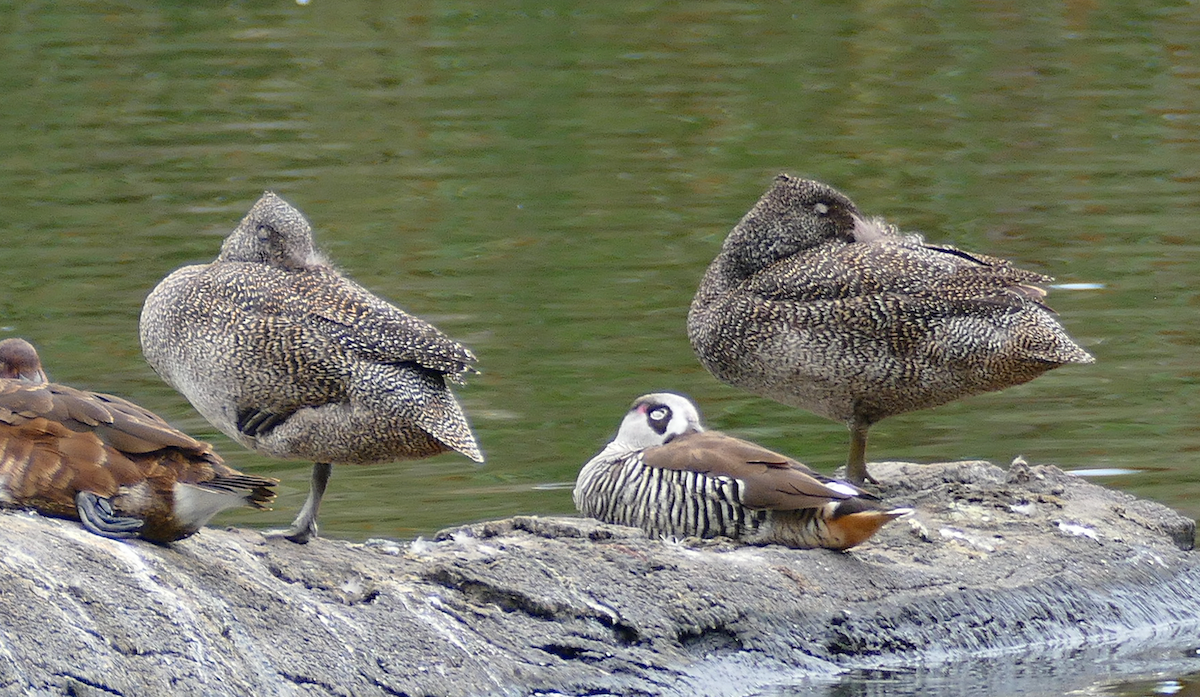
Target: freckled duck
{"type": "Point", "coordinates": [119, 469]}
{"type": "Point", "coordinates": [811, 304]}
{"type": "Point", "coordinates": [664, 473]}
{"type": "Point", "coordinates": [289, 358]}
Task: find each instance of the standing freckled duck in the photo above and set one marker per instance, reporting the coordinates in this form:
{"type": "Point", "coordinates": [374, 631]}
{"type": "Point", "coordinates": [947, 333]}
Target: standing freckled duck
{"type": "Point", "coordinates": [815, 306]}
{"type": "Point", "coordinates": [121, 470]}
{"type": "Point", "coordinates": [667, 475]}
{"type": "Point", "coordinates": [289, 358]}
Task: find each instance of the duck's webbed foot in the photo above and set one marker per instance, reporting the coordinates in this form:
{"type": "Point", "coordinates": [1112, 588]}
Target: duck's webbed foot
{"type": "Point", "coordinates": [299, 533]}
{"type": "Point", "coordinates": [96, 514]}
{"type": "Point", "coordinates": [256, 422]}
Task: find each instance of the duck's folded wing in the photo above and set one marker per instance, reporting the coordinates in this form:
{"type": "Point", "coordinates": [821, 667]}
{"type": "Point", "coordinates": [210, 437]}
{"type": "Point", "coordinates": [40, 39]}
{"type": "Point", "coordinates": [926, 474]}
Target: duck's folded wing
{"type": "Point", "coordinates": [307, 316]}
{"type": "Point", "coordinates": [767, 479]}
{"type": "Point", "coordinates": [848, 270]}
{"type": "Point", "coordinates": [951, 322]}
{"type": "Point", "coordinates": [364, 324]}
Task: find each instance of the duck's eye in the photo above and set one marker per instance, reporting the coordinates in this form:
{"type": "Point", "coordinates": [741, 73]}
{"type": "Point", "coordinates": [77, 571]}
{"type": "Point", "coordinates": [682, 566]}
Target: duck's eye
{"type": "Point", "coordinates": [263, 231]}
{"type": "Point", "coordinates": [821, 208]}
{"type": "Point", "coordinates": [660, 414]}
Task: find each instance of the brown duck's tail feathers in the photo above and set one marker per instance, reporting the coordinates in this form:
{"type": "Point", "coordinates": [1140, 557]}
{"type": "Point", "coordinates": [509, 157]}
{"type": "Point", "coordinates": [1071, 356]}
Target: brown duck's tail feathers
{"type": "Point", "coordinates": [258, 492]}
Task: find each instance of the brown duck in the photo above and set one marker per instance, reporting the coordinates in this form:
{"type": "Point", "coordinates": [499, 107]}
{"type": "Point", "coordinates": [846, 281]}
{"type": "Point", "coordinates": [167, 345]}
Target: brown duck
{"type": "Point", "coordinates": [813, 305]}
{"type": "Point", "coordinates": [667, 475]}
{"type": "Point", "coordinates": [114, 466]}
{"type": "Point", "coordinates": [289, 358]}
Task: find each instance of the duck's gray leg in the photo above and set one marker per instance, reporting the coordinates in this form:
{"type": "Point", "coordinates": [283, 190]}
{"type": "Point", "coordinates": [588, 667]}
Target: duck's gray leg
{"type": "Point", "coordinates": [856, 463]}
{"type": "Point", "coordinates": [304, 527]}
{"type": "Point", "coordinates": [96, 514]}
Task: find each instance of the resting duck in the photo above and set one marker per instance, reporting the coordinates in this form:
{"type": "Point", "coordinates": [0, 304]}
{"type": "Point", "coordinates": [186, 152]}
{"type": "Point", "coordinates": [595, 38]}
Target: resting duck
{"type": "Point", "coordinates": [666, 474]}
{"type": "Point", "coordinates": [811, 304]}
{"type": "Point", "coordinates": [117, 468]}
{"type": "Point", "coordinates": [291, 359]}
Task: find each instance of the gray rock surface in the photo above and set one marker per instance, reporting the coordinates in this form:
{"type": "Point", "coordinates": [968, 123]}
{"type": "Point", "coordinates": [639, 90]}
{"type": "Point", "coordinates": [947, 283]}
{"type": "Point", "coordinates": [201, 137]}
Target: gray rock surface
{"type": "Point", "coordinates": [994, 561]}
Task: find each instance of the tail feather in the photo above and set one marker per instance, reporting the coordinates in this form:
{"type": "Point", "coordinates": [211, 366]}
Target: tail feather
{"type": "Point", "coordinates": [448, 424]}
{"type": "Point", "coordinates": [422, 397]}
{"type": "Point", "coordinates": [258, 492]}
{"type": "Point", "coordinates": [851, 524]}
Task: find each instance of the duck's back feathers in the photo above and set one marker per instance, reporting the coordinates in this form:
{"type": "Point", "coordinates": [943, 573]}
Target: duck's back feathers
{"type": "Point", "coordinates": [379, 331]}
{"type": "Point", "coordinates": [841, 271]}
{"type": "Point", "coordinates": [315, 309]}
{"type": "Point", "coordinates": [768, 480]}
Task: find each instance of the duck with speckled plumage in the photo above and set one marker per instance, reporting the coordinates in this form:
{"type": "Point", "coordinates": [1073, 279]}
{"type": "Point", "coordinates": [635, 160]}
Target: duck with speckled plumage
{"type": "Point", "coordinates": [812, 304]}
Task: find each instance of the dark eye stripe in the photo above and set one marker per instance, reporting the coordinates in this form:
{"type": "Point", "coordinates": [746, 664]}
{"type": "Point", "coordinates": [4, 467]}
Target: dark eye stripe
{"type": "Point", "coordinates": [659, 424]}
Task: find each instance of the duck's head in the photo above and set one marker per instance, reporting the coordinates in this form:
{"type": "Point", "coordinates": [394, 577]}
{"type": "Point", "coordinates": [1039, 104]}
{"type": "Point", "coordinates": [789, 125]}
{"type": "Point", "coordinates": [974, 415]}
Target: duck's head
{"type": "Point", "coordinates": [273, 233]}
{"type": "Point", "coordinates": [656, 419]}
{"type": "Point", "coordinates": [794, 215]}
{"type": "Point", "coordinates": [19, 361]}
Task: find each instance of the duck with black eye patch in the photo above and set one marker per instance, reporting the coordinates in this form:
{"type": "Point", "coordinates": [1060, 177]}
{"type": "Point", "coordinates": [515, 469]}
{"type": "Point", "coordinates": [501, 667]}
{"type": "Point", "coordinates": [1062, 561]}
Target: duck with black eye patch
{"type": "Point", "coordinates": [665, 473]}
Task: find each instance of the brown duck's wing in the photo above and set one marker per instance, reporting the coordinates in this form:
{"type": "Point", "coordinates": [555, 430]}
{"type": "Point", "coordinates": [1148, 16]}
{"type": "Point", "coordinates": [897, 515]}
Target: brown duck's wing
{"type": "Point", "coordinates": [91, 429]}
{"type": "Point", "coordinates": [769, 480]}
{"type": "Point", "coordinates": [119, 423]}
{"type": "Point", "coordinates": [848, 270]}
{"type": "Point", "coordinates": [161, 452]}
{"type": "Point", "coordinates": [20, 400]}
{"type": "Point", "coordinates": [44, 464]}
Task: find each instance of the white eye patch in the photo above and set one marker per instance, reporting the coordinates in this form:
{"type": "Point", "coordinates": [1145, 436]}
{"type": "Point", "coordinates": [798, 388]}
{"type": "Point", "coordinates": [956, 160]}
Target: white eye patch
{"type": "Point", "coordinates": [821, 208]}
{"type": "Point", "coordinates": [659, 413]}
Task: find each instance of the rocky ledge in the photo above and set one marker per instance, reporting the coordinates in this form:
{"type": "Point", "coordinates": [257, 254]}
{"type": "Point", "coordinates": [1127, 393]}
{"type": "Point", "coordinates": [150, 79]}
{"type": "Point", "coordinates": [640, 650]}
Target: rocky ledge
{"type": "Point", "coordinates": [994, 561]}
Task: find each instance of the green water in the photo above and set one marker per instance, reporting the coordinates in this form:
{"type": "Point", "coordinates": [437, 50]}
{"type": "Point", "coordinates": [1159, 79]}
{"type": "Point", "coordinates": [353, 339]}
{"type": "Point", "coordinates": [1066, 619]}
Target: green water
{"type": "Point", "coordinates": [548, 181]}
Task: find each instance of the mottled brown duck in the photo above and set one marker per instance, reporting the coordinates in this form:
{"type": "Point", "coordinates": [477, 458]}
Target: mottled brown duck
{"type": "Point", "coordinates": [114, 466]}
{"type": "Point", "coordinates": [811, 304]}
{"type": "Point", "coordinates": [666, 474]}
{"type": "Point", "coordinates": [291, 359]}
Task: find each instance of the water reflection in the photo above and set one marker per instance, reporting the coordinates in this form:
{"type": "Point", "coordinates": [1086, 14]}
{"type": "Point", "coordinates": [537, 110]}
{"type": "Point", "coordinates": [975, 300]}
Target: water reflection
{"type": "Point", "coordinates": [1159, 667]}
{"type": "Point", "coordinates": [1103, 472]}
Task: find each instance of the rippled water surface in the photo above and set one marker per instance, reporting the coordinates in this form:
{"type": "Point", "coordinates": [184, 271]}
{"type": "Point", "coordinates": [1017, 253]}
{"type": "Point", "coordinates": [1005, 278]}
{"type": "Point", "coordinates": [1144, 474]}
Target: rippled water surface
{"type": "Point", "coordinates": [548, 181]}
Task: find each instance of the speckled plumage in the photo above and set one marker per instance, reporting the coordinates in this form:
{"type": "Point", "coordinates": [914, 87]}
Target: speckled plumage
{"type": "Point", "coordinates": [815, 306]}
{"type": "Point", "coordinates": [288, 357]}
{"type": "Point", "coordinates": [666, 474]}
{"type": "Point", "coordinates": [57, 441]}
